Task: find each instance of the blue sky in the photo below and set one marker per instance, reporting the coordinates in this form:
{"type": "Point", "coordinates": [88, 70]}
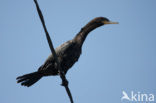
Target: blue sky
{"type": "Point", "coordinates": [114, 57]}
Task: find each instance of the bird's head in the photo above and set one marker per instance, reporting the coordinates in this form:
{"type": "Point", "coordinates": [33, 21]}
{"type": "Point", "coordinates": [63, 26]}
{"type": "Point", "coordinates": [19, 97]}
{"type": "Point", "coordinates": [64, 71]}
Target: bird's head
{"type": "Point", "coordinates": [102, 21]}
{"type": "Point", "coordinates": [93, 24]}
{"type": "Point", "coordinates": [97, 22]}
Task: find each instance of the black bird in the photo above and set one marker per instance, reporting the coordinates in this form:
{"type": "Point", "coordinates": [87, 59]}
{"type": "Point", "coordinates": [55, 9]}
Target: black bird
{"type": "Point", "coordinates": [68, 53]}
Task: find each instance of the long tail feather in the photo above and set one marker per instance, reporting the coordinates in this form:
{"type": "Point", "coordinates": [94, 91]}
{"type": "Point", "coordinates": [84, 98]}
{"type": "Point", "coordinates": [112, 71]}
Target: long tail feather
{"type": "Point", "coordinates": [29, 79]}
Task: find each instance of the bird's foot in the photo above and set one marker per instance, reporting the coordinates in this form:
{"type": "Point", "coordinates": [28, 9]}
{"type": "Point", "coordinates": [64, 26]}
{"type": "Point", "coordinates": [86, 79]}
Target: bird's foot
{"type": "Point", "coordinates": [63, 77]}
{"type": "Point", "coordinates": [64, 82]}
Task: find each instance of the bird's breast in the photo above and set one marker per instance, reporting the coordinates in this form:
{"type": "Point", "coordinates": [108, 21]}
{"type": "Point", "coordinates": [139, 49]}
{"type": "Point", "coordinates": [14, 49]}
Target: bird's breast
{"type": "Point", "coordinates": [69, 58]}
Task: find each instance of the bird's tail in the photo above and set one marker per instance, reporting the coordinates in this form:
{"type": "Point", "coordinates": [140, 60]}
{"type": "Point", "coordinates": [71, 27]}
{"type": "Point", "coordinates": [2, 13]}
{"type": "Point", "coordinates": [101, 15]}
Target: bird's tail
{"type": "Point", "coordinates": [29, 79]}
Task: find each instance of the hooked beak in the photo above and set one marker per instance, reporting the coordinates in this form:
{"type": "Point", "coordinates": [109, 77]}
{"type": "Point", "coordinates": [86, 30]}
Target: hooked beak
{"type": "Point", "coordinates": [110, 22]}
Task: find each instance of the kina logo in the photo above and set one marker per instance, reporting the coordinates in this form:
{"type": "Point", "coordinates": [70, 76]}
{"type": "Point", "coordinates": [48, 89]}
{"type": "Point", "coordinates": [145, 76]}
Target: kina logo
{"type": "Point", "coordinates": [137, 96]}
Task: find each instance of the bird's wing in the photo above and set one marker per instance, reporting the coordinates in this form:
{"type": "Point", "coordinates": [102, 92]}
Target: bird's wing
{"type": "Point", "coordinates": [59, 51]}
{"type": "Point", "coordinates": [62, 48]}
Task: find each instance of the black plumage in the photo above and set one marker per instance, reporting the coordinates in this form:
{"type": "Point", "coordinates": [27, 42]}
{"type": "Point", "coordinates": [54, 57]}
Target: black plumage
{"type": "Point", "coordinates": [68, 53]}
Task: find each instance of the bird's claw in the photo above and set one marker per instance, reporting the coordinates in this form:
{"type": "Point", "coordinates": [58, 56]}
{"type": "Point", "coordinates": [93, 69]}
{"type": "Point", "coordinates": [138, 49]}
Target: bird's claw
{"type": "Point", "coordinates": [65, 82]}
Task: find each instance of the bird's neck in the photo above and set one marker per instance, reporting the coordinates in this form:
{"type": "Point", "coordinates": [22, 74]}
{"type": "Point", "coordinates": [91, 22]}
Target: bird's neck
{"type": "Point", "coordinates": [81, 36]}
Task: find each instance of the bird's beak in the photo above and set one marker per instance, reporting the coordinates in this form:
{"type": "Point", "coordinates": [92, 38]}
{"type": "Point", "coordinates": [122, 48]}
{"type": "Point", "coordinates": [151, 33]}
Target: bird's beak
{"type": "Point", "coordinates": [110, 22]}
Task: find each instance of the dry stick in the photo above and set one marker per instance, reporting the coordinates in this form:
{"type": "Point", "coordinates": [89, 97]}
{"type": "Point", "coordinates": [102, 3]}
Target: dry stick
{"type": "Point", "coordinates": [62, 75]}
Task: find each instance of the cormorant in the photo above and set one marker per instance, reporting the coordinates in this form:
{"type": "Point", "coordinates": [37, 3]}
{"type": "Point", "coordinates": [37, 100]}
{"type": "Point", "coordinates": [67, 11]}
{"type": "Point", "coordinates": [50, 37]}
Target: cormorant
{"type": "Point", "coordinates": [68, 53]}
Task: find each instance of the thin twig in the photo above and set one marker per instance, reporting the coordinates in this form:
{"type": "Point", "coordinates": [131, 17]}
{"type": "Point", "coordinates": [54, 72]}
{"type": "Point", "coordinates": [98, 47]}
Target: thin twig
{"type": "Point", "coordinates": [62, 75]}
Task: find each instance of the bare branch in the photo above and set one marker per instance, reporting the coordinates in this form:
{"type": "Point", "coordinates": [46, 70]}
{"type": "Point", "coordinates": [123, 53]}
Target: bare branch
{"type": "Point", "coordinates": [62, 75]}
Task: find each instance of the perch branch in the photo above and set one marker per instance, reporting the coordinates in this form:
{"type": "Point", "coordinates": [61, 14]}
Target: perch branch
{"type": "Point", "coordinates": [62, 75]}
